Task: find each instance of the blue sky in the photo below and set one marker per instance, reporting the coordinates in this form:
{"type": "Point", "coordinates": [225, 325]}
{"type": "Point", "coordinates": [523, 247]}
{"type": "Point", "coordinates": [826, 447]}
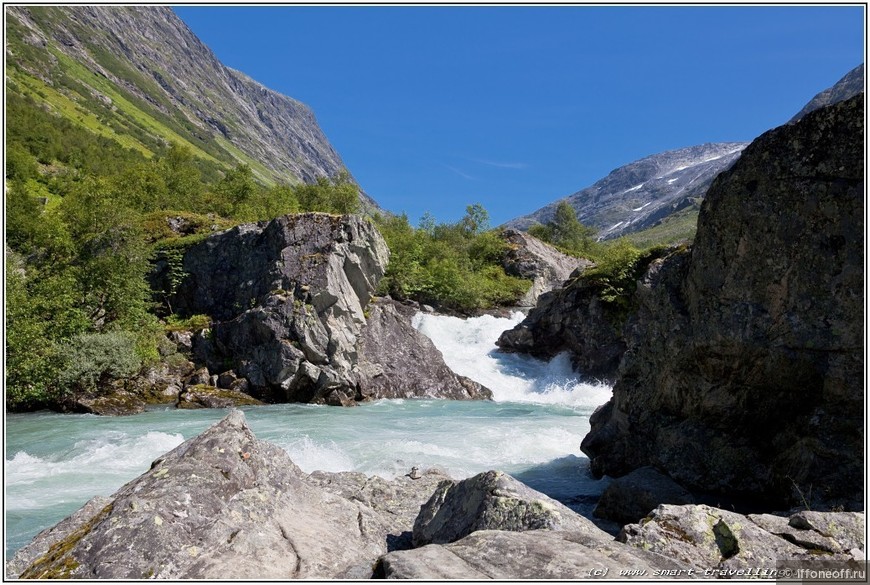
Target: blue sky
{"type": "Point", "coordinates": [434, 108]}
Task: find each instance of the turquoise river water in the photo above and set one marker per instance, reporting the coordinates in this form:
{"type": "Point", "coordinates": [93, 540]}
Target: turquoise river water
{"type": "Point", "coordinates": [532, 430]}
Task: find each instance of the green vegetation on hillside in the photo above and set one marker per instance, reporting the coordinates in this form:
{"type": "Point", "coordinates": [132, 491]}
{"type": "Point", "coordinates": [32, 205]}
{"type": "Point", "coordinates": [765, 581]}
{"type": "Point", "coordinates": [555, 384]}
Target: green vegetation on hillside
{"type": "Point", "coordinates": [619, 263]}
{"type": "Point", "coordinates": [85, 217]}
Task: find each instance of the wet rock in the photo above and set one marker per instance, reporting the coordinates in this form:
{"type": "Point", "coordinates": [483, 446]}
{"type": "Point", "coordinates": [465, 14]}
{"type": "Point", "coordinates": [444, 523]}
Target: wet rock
{"type": "Point", "coordinates": [536, 554]}
{"type": "Point", "coordinates": [397, 361]}
{"type": "Point", "coordinates": [492, 501]}
{"type": "Point", "coordinates": [115, 403]}
{"type": "Point", "coordinates": [631, 497]}
{"type": "Point", "coordinates": [571, 319]}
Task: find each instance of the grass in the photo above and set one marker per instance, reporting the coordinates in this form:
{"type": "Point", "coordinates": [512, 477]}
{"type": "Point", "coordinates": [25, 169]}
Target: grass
{"type": "Point", "coordinates": [674, 229]}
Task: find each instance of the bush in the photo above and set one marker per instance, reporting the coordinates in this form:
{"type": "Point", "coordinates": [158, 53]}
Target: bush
{"type": "Point", "coordinates": [89, 360]}
{"type": "Point", "coordinates": [454, 266]}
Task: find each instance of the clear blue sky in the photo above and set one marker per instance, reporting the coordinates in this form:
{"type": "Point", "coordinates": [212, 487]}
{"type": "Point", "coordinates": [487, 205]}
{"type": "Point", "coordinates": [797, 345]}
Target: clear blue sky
{"type": "Point", "coordinates": [434, 108]}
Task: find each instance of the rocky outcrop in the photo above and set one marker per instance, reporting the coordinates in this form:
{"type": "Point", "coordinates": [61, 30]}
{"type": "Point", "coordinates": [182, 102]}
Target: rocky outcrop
{"type": "Point", "coordinates": [288, 299]}
{"type": "Point", "coordinates": [743, 374]}
{"type": "Point", "coordinates": [722, 544]}
{"type": "Point", "coordinates": [294, 319]}
{"type": "Point", "coordinates": [572, 319]}
{"type": "Point", "coordinates": [397, 361]}
{"type": "Point", "coordinates": [631, 497]}
{"type": "Point", "coordinates": [529, 258]}
{"type": "Point", "coordinates": [492, 500]}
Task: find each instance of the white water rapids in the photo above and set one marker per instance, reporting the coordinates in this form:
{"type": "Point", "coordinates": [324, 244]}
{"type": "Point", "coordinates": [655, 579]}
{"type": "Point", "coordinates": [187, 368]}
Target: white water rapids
{"type": "Point", "coordinates": [532, 429]}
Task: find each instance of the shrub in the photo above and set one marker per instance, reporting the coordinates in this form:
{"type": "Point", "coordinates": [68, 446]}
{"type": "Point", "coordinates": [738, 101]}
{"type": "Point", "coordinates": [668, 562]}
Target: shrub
{"type": "Point", "coordinates": [89, 360]}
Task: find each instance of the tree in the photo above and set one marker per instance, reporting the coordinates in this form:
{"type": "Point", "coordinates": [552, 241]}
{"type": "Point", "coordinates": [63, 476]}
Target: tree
{"type": "Point", "coordinates": [566, 232]}
{"type": "Point", "coordinates": [336, 195]}
{"type": "Point", "coordinates": [476, 219]}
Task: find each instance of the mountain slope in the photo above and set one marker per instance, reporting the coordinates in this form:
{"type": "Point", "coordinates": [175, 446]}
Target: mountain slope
{"type": "Point", "coordinates": [850, 85]}
{"type": "Point", "coordinates": [639, 194]}
{"type": "Point", "coordinates": [140, 76]}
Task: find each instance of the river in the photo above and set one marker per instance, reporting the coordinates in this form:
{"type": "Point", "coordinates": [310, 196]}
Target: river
{"type": "Point", "coordinates": [532, 430]}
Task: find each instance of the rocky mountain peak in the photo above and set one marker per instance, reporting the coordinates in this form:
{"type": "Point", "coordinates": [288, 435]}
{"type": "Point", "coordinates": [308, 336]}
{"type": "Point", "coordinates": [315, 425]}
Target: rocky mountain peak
{"type": "Point", "coordinates": [637, 195]}
{"type": "Point", "coordinates": [850, 85]}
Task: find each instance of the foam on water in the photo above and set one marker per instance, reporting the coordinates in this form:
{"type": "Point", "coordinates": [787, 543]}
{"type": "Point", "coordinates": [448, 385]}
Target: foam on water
{"type": "Point", "coordinates": [533, 430]}
{"type": "Point", "coordinates": [468, 346]}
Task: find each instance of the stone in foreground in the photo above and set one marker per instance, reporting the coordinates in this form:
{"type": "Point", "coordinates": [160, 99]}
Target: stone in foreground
{"type": "Point", "coordinates": [223, 505]}
{"type": "Point", "coordinates": [493, 501]}
{"type": "Point", "coordinates": [537, 554]}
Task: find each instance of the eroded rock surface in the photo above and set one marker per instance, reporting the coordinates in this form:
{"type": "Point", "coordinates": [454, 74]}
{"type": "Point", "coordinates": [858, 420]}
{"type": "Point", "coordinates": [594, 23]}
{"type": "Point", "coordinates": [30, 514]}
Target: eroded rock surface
{"type": "Point", "coordinates": [743, 374]}
{"type": "Point", "coordinates": [536, 554]}
{"type": "Point", "coordinates": [719, 543]}
{"type": "Point", "coordinates": [288, 297]}
{"type": "Point", "coordinates": [225, 505]}
{"type": "Point", "coordinates": [574, 319]}
{"type": "Point", "coordinates": [492, 500]}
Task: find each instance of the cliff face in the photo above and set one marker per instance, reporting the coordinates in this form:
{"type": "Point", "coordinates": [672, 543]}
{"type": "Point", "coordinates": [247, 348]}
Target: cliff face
{"type": "Point", "coordinates": [150, 79]}
{"type": "Point", "coordinates": [744, 364]}
{"type": "Point", "coordinates": [291, 301]}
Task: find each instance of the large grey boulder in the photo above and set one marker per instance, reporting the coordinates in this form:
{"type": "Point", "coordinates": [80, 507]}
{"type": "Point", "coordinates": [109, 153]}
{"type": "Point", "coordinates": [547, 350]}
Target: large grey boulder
{"type": "Point", "coordinates": [222, 505]}
{"type": "Point", "coordinates": [745, 361]}
{"type": "Point", "coordinates": [719, 543]}
{"type": "Point", "coordinates": [493, 501]}
{"type": "Point", "coordinates": [536, 554]}
{"type": "Point", "coordinates": [397, 361]}
{"type": "Point", "coordinates": [288, 297]}
{"type": "Point", "coordinates": [530, 258]}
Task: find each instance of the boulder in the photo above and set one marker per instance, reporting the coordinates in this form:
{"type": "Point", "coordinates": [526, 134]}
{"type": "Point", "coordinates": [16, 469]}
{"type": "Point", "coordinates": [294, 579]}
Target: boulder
{"type": "Point", "coordinates": [745, 360]}
{"type": "Point", "coordinates": [222, 505]}
{"type": "Point", "coordinates": [536, 554]}
{"type": "Point", "coordinates": [571, 319]}
{"type": "Point", "coordinates": [530, 258]}
{"type": "Point", "coordinates": [287, 298]}
{"type": "Point", "coordinates": [397, 361]}
{"type": "Point", "coordinates": [113, 403]}
{"type": "Point", "coordinates": [492, 501]}
{"type": "Point", "coordinates": [631, 497]}
{"type": "Point", "coordinates": [202, 396]}
{"type": "Point", "coordinates": [719, 543]}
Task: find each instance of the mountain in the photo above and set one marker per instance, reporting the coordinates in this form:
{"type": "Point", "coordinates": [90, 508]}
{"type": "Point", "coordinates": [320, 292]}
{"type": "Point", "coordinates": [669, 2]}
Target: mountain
{"type": "Point", "coordinates": [850, 85]}
{"type": "Point", "coordinates": [139, 75]}
{"type": "Point", "coordinates": [640, 194]}
{"type": "Point", "coordinates": [660, 194]}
